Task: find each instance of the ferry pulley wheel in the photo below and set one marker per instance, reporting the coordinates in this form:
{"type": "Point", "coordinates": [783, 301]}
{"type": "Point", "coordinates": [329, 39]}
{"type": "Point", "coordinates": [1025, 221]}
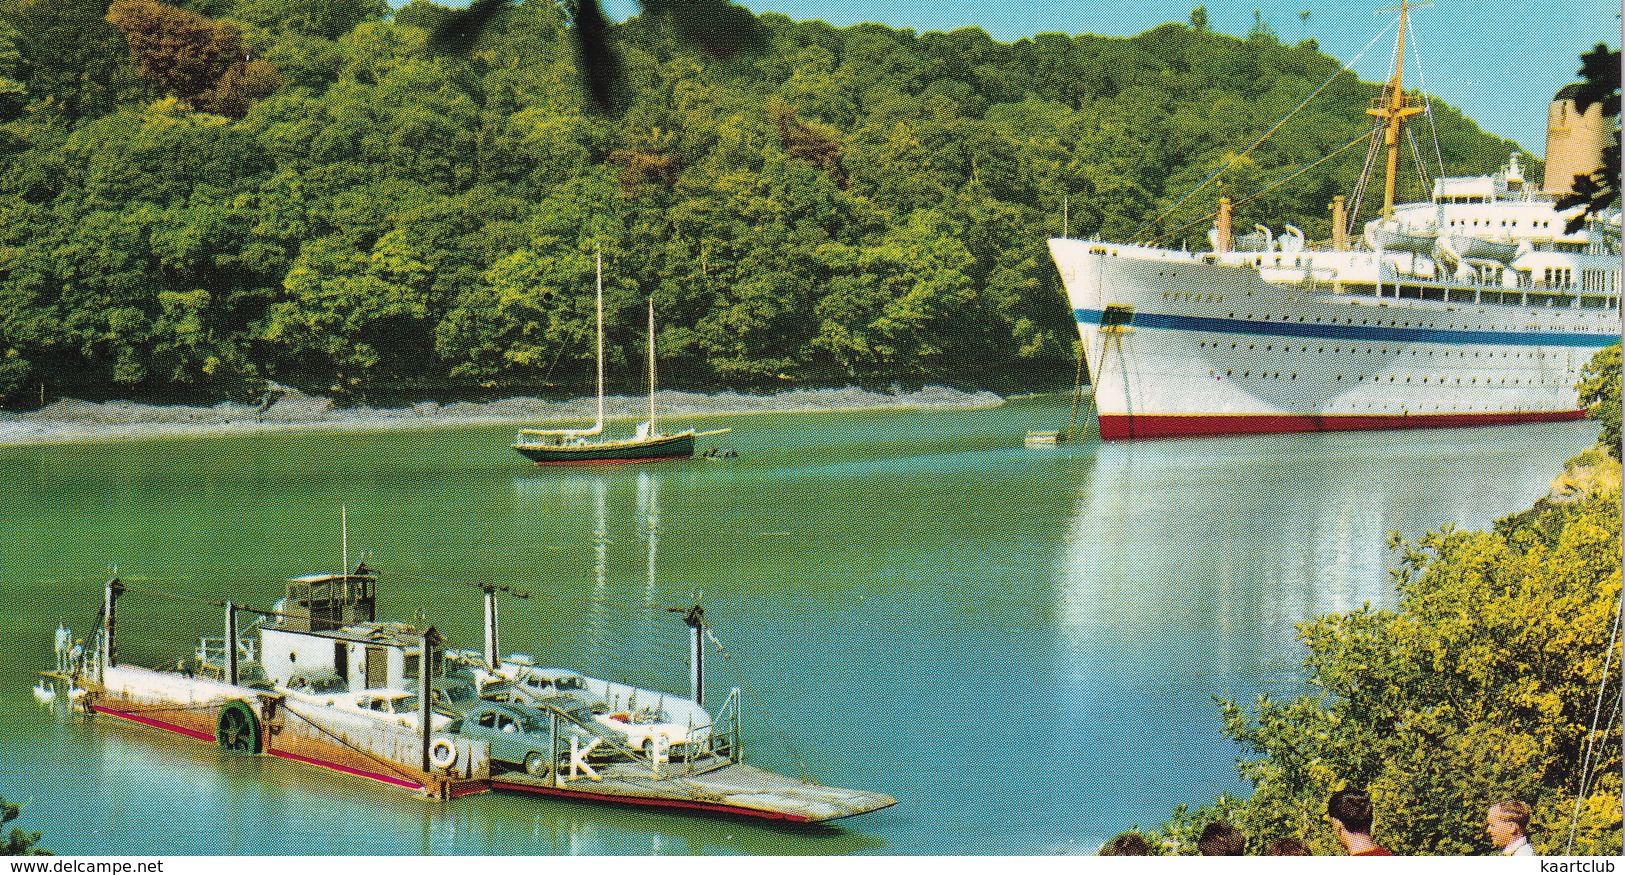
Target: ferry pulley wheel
{"type": "Point", "coordinates": [442, 753]}
{"type": "Point", "coordinates": [238, 729]}
{"type": "Point", "coordinates": [537, 764]}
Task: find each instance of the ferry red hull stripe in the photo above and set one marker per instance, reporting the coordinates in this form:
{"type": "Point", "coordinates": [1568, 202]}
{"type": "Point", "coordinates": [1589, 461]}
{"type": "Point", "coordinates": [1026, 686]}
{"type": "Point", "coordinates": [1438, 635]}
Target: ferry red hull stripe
{"type": "Point", "coordinates": [387, 779]}
{"type": "Point", "coordinates": [657, 803]}
{"type": "Point", "coordinates": [204, 736]}
{"type": "Point", "coordinates": [154, 723]}
{"type": "Point", "coordinates": [1129, 427]}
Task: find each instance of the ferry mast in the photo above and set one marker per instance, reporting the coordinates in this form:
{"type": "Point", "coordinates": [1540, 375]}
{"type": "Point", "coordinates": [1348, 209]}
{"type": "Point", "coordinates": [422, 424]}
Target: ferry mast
{"type": "Point", "coordinates": [1395, 107]}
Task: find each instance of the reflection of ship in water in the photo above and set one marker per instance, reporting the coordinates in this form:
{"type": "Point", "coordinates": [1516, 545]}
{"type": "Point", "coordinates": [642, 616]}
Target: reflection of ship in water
{"type": "Point", "coordinates": [1238, 544]}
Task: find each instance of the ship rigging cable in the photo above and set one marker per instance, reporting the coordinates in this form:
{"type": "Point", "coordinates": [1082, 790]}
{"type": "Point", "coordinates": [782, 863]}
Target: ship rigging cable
{"type": "Point", "coordinates": [1266, 189]}
{"type": "Point", "coordinates": [1258, 142]}
{"type": "Point", "coordinates": [1591, 737]}
{"type": "Point", "coordinates": [1421, 169]}
{"type": "Point", "coordinates": [1358, 197]}
{"type": "Point", "coordinates": [1427, 99]}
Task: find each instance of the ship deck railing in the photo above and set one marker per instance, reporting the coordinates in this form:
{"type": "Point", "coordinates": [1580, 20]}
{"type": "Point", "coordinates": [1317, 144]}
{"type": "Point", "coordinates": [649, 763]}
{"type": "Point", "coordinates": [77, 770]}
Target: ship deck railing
{"type": "Point", "coordinates": [1426, 289]}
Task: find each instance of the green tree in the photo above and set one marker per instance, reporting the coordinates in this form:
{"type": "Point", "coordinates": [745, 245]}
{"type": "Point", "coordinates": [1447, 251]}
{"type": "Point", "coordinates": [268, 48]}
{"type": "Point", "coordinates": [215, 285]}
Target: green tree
{"type": "Point", "coordinates": [354, 315]}
{"type": "Point", "coordinates": [326, 19]}
{"type": "Point", "coordinates": [1600, 392]}
{"type": "Point", "coordinates": [1261, 29]}
{"type": "Point", "coordinates": [19, 843]}
{"type": "Point", "coordinates": [892, 305]}
{"type": "Point", "coordinates": [12, 90]}
{"type": "Point", "coordinates": [74, 64]}
{"type": "Point", "coordinates": [718, 27]}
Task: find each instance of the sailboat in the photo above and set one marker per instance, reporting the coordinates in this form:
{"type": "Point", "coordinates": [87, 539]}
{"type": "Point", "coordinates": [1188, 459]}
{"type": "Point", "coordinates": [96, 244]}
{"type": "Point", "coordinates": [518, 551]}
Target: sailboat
{"type": "Point", "coordinates": [587, 446]}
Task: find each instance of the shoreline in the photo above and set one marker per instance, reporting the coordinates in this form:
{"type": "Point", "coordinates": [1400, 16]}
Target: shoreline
{"type": "Point", "coordinates": [73, 421]}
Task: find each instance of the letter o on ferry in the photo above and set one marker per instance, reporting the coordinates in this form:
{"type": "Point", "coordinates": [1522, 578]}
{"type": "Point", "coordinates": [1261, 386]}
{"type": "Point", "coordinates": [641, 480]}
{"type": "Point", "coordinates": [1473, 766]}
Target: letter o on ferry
{"type": "Point", "coordinates": [442, 753]}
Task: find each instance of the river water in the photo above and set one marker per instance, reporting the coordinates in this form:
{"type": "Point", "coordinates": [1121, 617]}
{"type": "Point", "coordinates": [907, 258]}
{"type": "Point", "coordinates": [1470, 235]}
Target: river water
{"type": "Point", "coordinates": [1022, 646]}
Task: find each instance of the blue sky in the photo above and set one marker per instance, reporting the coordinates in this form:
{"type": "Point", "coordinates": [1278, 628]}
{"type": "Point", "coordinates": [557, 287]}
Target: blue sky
{"type": "Point", "coordinates": [1499, 61]}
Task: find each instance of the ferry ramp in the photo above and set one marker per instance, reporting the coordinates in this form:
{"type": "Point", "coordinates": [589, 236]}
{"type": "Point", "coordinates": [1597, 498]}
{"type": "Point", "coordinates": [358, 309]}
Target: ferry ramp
{"type": "Point", "coordinates": [714, 784]}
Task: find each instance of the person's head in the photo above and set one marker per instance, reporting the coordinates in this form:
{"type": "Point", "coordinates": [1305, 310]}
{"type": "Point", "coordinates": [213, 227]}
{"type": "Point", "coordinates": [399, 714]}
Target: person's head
{"type": "Point", "coordinates": [1507, 820]}
{"type": "Point", "coordinates": [1287, 848]}
{"type": "Point", "coordinates": [1129, 844]}
{"type": "Point", "coordinates": [1220, 839]}
{"type": "Point", "coordinates": [1350, 812]}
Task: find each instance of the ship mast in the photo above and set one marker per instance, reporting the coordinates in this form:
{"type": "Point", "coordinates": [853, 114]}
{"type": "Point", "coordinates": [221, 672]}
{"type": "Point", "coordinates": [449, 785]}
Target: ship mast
{"type": "Point", "coordinates": [1395, 107]}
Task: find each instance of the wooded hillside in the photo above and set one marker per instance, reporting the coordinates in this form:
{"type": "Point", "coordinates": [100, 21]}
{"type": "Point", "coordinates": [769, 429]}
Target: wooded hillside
{"type": "Point", "coordinates": [199, 198]}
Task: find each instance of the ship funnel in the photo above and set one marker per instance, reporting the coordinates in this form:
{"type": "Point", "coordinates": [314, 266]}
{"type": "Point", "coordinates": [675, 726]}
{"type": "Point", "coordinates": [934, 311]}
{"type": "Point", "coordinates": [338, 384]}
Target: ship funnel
{"type": "Point", "coordinates": [1340, 224]}
{"type": "Point", "coordinates": [1226, 237]}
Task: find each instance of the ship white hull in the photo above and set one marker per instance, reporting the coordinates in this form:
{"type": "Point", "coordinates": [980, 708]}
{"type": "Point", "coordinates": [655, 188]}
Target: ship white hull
{"type": "Point", "coordinates": [1213, 348]}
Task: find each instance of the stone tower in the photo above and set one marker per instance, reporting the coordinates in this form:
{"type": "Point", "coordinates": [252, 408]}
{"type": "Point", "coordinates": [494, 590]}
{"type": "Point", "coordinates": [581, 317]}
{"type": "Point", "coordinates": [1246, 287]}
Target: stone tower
{"type": "Point", "coordinates": [1574, 141]}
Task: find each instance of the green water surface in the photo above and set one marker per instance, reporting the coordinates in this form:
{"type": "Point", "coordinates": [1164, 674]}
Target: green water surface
{"type": "Point", "coordinates": [1020, 645]}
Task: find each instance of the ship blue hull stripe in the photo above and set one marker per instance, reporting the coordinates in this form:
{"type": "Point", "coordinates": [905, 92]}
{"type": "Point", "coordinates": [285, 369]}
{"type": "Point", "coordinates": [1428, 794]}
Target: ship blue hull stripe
{"type": "Point", "coordinates": [1357, 332]}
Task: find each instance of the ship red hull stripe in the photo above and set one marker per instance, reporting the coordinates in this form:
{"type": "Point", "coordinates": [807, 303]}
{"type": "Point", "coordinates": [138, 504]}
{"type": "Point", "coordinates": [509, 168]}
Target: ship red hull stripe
{"type": "Point", "coordinates": [1128, 427]}
{"type": "Point", "coordinates": [657, 803]}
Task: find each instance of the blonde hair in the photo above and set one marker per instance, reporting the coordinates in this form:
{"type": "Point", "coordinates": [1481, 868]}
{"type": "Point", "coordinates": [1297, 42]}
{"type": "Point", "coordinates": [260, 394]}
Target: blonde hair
{"type": "Point", "coordinates": [1515, 811]}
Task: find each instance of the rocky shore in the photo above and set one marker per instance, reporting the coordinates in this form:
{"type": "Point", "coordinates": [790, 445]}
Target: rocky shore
{"type": "Point", "coordinates": [70, 421]}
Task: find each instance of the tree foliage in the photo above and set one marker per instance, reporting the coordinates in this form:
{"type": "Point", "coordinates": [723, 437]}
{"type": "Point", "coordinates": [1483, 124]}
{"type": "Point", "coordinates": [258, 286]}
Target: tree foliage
{"type": "Point", "coordinates": [205, 196]}
{"type": "Point", "coordinates": [1599, 392]}
{"type": "Point", "coordinates": [18, 843]}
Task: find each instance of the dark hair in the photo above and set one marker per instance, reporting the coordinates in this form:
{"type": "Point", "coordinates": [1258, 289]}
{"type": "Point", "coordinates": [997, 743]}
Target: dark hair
{"type": "Point", "coordinates": [1515, 811]}
{"type": "Point", "coordinates": [1352, 808]}
{"type": "Point", "coordinates": [1128, 844]}
{"type": "Point", "coordinates": [1287, 848]}
{"type": "Point", "coordinates": [1220, 839]}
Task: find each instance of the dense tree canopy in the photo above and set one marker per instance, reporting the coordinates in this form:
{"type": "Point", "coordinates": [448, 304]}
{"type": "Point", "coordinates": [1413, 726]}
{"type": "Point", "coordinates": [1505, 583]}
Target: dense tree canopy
{"type": "Point", "coordinates": [203, 195]}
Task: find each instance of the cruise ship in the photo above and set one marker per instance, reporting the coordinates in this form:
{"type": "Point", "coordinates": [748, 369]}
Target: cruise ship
{"type": "Point", "coordinates": [1476, 307]}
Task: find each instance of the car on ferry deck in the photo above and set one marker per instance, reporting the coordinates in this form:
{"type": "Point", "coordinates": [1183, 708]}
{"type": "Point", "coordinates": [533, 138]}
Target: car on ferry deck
{"type": "Point", "coordinates": [453, 694]}
{"type": "Point", "coordinates": [521, 735]}
{"type": "Point", "coordinates": [396, 706]}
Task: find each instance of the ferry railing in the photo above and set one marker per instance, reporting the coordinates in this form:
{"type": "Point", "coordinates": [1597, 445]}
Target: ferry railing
{"type": "Point", "coordinates": [727, 744]}
{"type": "Point", "coordinates": [211, 652]}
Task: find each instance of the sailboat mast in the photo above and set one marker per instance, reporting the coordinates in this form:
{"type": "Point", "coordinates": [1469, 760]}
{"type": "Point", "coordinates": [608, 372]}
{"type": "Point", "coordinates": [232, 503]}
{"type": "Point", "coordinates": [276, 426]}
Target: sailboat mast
{"type": "Point", "coordinates": [1395, 108]}
{"type": "Point", "coordinates": [600, 258]}
{"type": "Point", "coordinates": [652, 430]}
